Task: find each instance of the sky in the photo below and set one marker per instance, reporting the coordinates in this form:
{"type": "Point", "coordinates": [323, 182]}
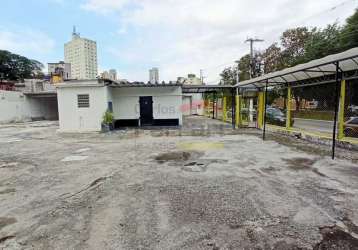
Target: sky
{"type": "Point", "coordinates": [177, 36]}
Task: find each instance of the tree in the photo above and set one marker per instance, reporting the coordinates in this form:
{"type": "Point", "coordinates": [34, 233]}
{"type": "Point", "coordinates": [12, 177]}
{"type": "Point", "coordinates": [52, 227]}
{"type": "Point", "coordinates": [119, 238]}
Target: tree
{"type": "Point", "coordinates": [272, 57]}
{"type": "Point", "coordinates": [349, 33]}
{"type": "Point", "coordinates": [293, 42]}
{"type": "Point", "coordinates": [228, 76]}
{"type": "Point", "coordinates": [323, 42]}
{"type": "Point", "coordinates": [16, 67]}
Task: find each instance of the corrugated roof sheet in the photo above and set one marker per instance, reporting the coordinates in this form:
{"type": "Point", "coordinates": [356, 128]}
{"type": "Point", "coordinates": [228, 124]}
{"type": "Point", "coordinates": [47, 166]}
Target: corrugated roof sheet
{"type": "Point", "coordinates": [348, 60]}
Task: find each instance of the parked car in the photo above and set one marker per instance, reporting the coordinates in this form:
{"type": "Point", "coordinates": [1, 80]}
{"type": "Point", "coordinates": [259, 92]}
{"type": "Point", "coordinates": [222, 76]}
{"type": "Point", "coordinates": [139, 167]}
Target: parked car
{"type": "Point", "coordinates": [353, 110]}
{"type": "Point", "coordinates": [351, 127]}
{"type": "Point", "coordinates": [276, 116]}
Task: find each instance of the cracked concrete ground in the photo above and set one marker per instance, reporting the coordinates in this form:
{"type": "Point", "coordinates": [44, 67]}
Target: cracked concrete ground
{"type": "Point", "coordinates": [143, 189]}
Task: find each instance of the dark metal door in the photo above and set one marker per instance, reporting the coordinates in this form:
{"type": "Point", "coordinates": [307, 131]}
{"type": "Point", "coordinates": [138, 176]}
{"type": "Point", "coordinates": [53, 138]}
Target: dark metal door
{"type": "Point", "coordinates": [146, 110]}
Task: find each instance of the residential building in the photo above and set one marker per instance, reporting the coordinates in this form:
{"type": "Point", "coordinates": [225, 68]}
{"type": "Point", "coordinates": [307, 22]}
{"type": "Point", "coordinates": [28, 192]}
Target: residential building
{"type": "Point", "coordinates": [111, 75]}
{"type": "Point", "coordinates": [81, 104]}
{"type": "Point", "coordinates": [59, 72]}
{"type": "Point", "coordinates": [192, 80]}
{"type": "Point", "coordinates": [81, 53]}
{"type": "Point", "coordinates": [105, 75]}
{"type": "Point", "coordinates": [154, 75]}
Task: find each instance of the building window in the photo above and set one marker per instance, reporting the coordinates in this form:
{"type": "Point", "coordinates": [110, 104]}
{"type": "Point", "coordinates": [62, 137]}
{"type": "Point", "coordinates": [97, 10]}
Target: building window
{"type": "Point", "coordinates": [83, 101]}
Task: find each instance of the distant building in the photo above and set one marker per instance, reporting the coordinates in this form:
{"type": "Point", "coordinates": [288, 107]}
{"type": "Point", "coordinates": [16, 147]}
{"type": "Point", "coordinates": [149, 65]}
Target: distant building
{"type": "Point", "coordinates": [59, 72]}
{"type": "Point", "coordinates": [105, 75]}
{"type": "Point", "coordinates": [81, 53]}
{"type": "Point", "coordinates": [112, 74]}
{"type": "Point", "coordinates": [154, 75]}
{"type": "Point", "coordinates": [190, 80]}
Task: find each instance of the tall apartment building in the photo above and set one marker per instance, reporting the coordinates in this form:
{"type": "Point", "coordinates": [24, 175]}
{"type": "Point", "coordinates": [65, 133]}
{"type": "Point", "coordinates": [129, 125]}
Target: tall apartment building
{"type": "Point", "coordinates": [154, 75]}
{"type": "Point", "coordinates": [81, 53]}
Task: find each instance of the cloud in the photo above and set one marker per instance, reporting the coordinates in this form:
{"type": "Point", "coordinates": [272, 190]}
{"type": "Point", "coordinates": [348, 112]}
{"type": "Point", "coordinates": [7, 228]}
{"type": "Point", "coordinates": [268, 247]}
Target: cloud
{"type": "Point", "coordinates": [104, 6]}
{"type": "Point", "coordinates": [26, 42]}
{"type": "Point", "coordinates": [183, 36]}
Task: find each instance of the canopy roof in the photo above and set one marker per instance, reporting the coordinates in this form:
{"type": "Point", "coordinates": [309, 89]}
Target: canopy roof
{"type": "Point", "coordinates": [347, 61]}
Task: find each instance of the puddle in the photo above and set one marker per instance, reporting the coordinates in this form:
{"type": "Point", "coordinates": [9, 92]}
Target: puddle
{"type": "Point", "coordinates": [75, 158]}
{"type": "Point", "coordinates": [177, 156]}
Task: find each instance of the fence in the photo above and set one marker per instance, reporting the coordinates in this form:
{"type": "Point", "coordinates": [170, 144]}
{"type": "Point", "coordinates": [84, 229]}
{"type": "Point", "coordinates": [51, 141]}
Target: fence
{"type": "Point", "coordinates": [308, 110]}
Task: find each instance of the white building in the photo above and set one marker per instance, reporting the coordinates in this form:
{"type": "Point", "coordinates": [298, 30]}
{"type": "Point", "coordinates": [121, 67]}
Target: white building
{"type": "Point", "coordinates": [61, 68]}
{"type": "Point", "coordinates": [154, 75]}
{"type": "Point", "coordinates": [81, 53]}
{"type": "Point", "coordinates": [193, 104]}
{"type": "Point", "coordinates": [81, 105]}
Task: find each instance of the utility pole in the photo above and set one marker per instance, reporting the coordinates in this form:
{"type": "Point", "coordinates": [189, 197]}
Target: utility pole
{"type": "Point", "coordinates": [252, 41]}
{"type": "Point", "coordinates": [237, 71]}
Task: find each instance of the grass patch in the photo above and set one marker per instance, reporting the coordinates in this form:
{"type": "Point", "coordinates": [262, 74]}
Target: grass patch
{"type": "Point", "coordinates": [314, 114]}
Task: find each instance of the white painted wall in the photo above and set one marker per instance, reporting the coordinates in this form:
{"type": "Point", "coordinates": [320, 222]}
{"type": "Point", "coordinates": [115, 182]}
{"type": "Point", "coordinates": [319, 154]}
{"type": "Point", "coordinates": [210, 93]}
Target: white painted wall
{"type": "Point", "coordinates": [193, 104]}
{"type": "Point", "coordinates": [74, 119]}
{"type": "Point", "coordinates": [16, 107]}
{"type": "Point", "coordinates": [167, 102]}
{"type": "Point", "coordinates": [186, 105]}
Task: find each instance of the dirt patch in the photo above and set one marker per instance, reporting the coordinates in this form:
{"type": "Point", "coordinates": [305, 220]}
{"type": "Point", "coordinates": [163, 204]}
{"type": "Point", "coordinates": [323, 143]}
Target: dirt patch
{"type": "Point", "coordinates": [173, 156]}
{"type": "Point", "coordinates": [5, 221]}
{"type": "Point", "coordinates": [178, 156]}
{"type": "Point", "coordinates": [8, 164]}
{"type": "Point", "coordinates": [350, 225]}
{"type": "Point", "coordinates": [299, 163]}
{"type": "Point", "coordinates": [7, 191]}
{"type": "Point", "coordinates": [335, 238]}
{"type": "Point", "coordinates": [5, 238]}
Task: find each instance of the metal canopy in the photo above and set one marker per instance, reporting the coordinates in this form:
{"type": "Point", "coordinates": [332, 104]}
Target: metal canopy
{"type": "Point", "coordinates": [326, 66]}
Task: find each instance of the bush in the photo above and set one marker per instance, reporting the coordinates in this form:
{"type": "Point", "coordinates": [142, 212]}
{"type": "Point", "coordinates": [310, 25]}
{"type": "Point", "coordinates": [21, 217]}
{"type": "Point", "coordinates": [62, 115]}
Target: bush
{"type": "Point", "coordinates": [108, 117]}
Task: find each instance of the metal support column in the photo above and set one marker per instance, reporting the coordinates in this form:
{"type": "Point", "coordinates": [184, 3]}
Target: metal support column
{"type": "Point", "coordinates": [238, 111]}
{"type": "Point", "coordinates": [224, 109]}
{"type": "Point", "coordinates": [288, 109]}
{"type": "Point", "coordinates": [335, 110]}
{"type": "Point", "coordinates": [214, 100]}
{"type": "Point", "coordinates": [264, 117]}
{"type": "Point", "coordinates": [341, 110]}
{"type": "Point", "coordinates": [233, 111]}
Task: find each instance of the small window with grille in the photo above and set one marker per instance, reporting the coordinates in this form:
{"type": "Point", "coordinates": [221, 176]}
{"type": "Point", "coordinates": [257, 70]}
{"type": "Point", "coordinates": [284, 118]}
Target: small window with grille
{"type": "Point", "coordinates": [83, 101]}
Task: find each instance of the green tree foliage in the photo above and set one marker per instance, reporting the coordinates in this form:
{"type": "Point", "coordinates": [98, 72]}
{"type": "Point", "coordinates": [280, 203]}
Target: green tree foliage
{"type": "Point", "coordinates": [301, 45]}
{"type": "Point", "coordinates": [16, 67]}
{"type": "Point", "coordinates": [323, 42]}
{"type": "Point", "coordinates": [349, 33]}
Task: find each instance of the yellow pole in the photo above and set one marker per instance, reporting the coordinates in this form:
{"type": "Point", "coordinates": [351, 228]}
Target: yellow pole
{"type": "Point", "coordinates": [238, 111]}
{"type": "Point", "coordinates": [261, 108]}
{"type": "Point", "coordinates": [288, 108]}
{"type": "Point", "coordinates": [224, 109]}
{"type": "Point", "coordinates": [342, 100]}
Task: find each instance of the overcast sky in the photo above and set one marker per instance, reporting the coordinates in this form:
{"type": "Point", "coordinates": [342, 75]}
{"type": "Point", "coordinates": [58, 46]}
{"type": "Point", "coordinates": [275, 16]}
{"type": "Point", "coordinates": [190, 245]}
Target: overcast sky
{"type": "Point", "coordinates": [177, 36]}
